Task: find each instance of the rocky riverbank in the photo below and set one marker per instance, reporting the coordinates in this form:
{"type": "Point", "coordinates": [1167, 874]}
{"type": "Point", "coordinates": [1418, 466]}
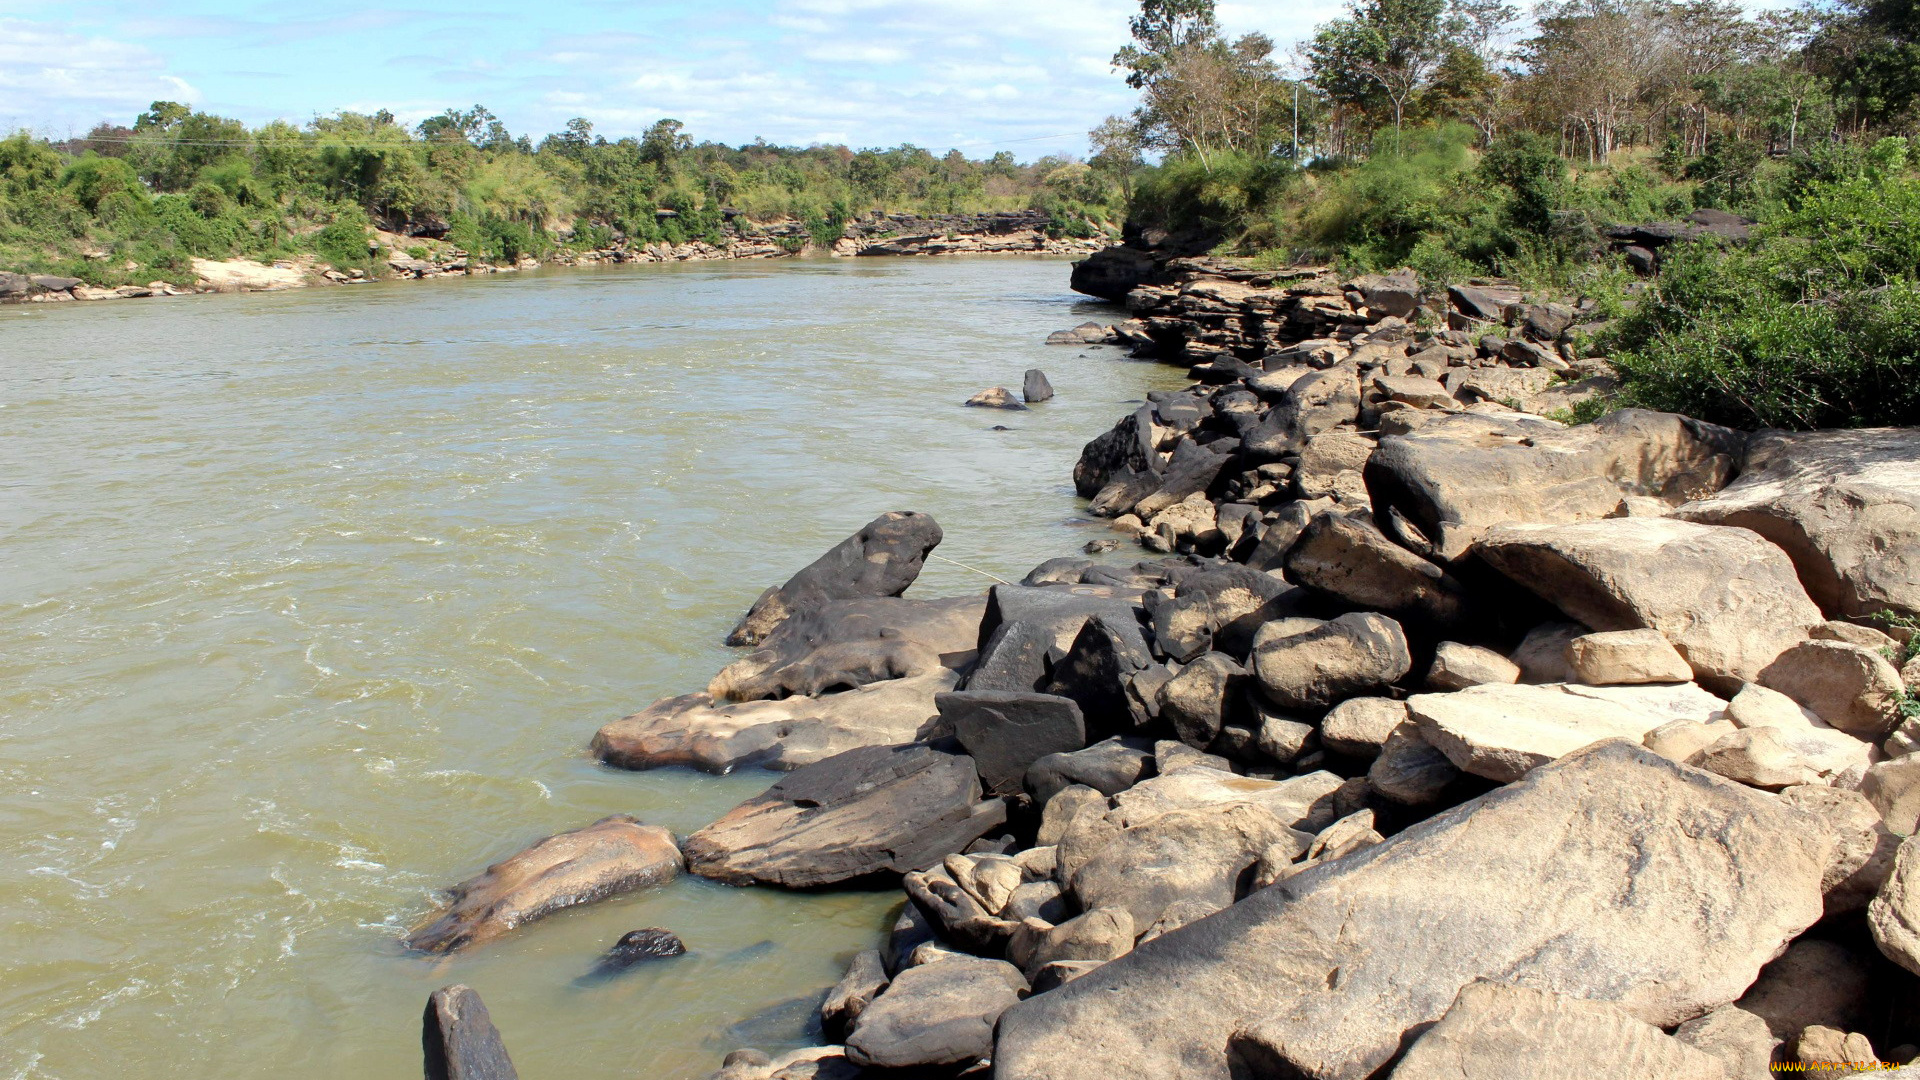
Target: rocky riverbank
{"type": "Point", "coordinates": [1443, 737]}
{"type": "Point", "coordinates": [423, 255]}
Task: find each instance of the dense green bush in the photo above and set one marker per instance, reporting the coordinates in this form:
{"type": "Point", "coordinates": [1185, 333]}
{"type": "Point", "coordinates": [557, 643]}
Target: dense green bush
{"type": "Point", "coordinates": [343, 242]}
{"type": "Point", "coordinates": [1817, 324]}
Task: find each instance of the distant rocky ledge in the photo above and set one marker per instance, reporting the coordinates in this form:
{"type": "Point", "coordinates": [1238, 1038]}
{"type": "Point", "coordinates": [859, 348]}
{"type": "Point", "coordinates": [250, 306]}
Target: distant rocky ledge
{"type": "Point", "coordinates": [1009, 233]}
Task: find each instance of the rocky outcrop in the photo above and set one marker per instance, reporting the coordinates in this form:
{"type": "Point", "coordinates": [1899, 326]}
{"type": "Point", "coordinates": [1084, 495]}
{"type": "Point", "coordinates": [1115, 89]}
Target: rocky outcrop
{"type": "Point", "coordinates": [1503, 732]}
{"type": "Point", "coordinates": [874, 810]}
{"type": "Point", "coordinates": [936, 1014]}
{"type": "Point", "coordinates": [882, 559]}
{"type": "Point", "coordinates": [1649, 886]}
{"type": "Point", "coordinates": [614, 855]}
{"type": "Point", "coordinates": [847, 644]}
{"type": "Point", "coordinates": [1456, 478]}
{"type": "Point", "coordinates": [1844, 505]}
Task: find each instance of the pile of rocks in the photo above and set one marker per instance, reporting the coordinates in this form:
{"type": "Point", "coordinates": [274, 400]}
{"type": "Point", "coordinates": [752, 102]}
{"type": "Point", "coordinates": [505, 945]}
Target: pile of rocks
{"type": "Point", "coordinates": [1441, 736]}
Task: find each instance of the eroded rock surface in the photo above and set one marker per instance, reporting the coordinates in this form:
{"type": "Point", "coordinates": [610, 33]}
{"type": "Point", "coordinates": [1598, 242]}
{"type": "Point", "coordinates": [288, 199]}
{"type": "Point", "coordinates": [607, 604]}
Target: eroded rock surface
{"type": "Point", "coordinates": [877, 809]}
{"type": "Point", "coordinates": [1649, 885]}
{"type": "Point", "coordinates": [614, 855]}
{"type": "Point", "coordinates": [882, 559]}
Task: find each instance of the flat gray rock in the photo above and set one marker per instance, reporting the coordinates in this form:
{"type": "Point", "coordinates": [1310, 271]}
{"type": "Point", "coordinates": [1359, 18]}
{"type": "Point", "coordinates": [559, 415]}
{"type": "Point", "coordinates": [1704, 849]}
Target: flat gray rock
{"type": "Point", "coordinates": [878, 809]}
{"type": "Point", "coordinates": [882, 559]}
{"type": "Point", "coordinates": [1501, 732]}
{"type": "Point", "coordinates": [1647, 884]}
{"type": "Point", "coordinates": [1007, 732]}
{"type": "Point", "coordinates": [1493, 1031]}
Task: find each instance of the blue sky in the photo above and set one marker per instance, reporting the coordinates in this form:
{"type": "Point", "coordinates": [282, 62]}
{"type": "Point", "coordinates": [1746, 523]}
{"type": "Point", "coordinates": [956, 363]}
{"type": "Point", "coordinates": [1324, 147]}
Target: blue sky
{"type": "Point", "coordinates": [1029, 76]}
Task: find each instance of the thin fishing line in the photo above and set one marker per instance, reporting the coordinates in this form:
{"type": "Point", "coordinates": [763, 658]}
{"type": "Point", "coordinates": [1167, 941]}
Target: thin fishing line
{"type": "Point", "coordinates": [964, 566]}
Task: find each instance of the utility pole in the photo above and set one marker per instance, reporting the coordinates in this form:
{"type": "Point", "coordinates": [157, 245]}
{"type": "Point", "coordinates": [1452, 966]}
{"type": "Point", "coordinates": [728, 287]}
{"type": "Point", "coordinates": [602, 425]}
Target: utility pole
{"type": "Point", "coordinates": [1296, 123]}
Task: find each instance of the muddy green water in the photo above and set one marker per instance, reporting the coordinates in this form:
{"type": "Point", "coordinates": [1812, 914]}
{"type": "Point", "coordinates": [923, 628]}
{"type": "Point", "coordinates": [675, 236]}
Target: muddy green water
{"type": "Point", "coordinates": [310, 602]}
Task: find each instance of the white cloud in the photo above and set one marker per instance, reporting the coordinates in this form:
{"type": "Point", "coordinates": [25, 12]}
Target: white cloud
{"type": "Point", "coordinates": [55, 80]}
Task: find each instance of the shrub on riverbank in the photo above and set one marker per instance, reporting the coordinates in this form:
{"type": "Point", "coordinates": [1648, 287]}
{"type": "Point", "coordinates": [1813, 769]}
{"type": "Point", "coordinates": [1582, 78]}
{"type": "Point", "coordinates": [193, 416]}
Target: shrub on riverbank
{"type": "Point", "coordinates": [1817, 324]}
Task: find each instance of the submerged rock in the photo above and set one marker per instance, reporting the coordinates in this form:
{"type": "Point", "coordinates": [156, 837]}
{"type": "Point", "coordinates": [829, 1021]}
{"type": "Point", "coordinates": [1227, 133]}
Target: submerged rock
{"type": "Point", "coordinates": [997, 397]}
{"type": "Point", "coordinates": [877, 809]}
{"type": "Point", "coordinates": [614, 855]}
{"type": "Point", "coordinates": [882, 559]}
{"type": "Point", "coordinates": [1647, 884]}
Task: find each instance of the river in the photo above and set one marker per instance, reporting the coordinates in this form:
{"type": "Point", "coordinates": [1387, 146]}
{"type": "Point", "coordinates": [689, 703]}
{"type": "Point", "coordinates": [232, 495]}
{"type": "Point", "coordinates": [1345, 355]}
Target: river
{"type": "Point", "coordinates": [310, 601]}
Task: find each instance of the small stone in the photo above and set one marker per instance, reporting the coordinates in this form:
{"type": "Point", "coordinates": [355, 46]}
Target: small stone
{"type": "Point", "coordinates": [1758, 757]}
{"type": "Point", "coordinates": [1457, 666]}
{"type": "Point", "coordinates": [1361, 726]}
{"type": "Point", "coordinates": [1409, 769]}
{"type": "Point", "coordinates": [1625, 657]}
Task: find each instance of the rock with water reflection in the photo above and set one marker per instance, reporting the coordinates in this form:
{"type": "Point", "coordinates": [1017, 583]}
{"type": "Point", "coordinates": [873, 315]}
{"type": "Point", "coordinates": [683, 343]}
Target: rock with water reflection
{"type": "Point", "coordinates": [873, 810]}
{"type": "Point", "coordinates": [882, 559]}
{"type": "Point", "coordinates": [614, 855]}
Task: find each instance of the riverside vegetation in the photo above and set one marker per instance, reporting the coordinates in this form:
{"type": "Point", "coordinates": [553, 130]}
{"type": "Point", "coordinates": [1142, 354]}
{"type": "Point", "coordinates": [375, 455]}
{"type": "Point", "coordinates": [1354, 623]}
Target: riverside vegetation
{"type": "Point", "coordinates": [132, 205]}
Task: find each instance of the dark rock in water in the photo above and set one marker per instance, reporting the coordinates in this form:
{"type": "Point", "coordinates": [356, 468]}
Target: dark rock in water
{"type": "Point", "coordinates": [460, 1040]}
{"type": "Point", "coordinates": [866, 977]}
{"type": "Point", "coordinates": [1101, 546]}
{"type": "Point", "coordinates": [1035, 387]}
{"type": "Point", "coordinates": [996, 397]}
{"type": "Point", "coordinates": [1007, 732]}
{"type": "Point", "coordinates": [653, 943]}
{"type": "Point", "coordinates": [877, 809]}
{"type": "Point", "coordinates": [789, 1021]}
{"type": "Point", "coordinates": [1000, 427]}
{"type": "Point", "coordinates": [882, 559]}
{"type": "Point", "coordinates": [614, 855]}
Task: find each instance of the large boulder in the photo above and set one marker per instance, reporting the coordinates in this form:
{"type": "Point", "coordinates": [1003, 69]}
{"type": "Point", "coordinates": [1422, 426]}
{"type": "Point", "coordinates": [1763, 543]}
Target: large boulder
{"type": "Point", "coordinates": [1852, 688]}
{"type": "Point", "coordinates": [877, 809]}
{"type": "Point", "coordinates": [1300, 802]}
{"type": "Point", "coordinates": [696, 730]}
{"type": "Point", "coordinates": [1193, 856]}
{"type": "Point", "coordinates": [1493, 1029]}
{"type": "Point", "coordinates": [1007, 732]}
{"type": "Point", "coordinates": [1349, 558]}
{"type": "Point", "coordinates": [1221, 609]}
{"type": "Point", "coordinates": [614, 855]}
{"type": "Point", "coordinates": [1894, 915]}
{"type": "Point", "coordinates": [1109, 767]}
{"type": "Point", "coordinates": [1613, 875]}
{"type": "Point", "coordinates": [936, 1014]}
{"type": "Point", "coordinates": [882, 559]}
{"type": "Point", "coordinates": [1728, 600]}
{"type": "Point", "coordinates": [459, 1039]}
{"type": "Point", "coordinates": [1096, 668]}
{"type": "Point", "coordinates": [843, 644]}
{"type": "Point", "coordinates": [1845, 505]}
{"type": "Point", "coordinates": [1458, 476]}
{"type": "Point", "coordinates": [1503, 732]}
{"type": "Point", "coordinates": [1316, 666]}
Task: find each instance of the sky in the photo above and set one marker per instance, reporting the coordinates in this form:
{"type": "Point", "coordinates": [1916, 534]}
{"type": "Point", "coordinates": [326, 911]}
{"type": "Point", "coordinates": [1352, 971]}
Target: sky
{"type": "Point", "coordinates": [1029, 76]}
